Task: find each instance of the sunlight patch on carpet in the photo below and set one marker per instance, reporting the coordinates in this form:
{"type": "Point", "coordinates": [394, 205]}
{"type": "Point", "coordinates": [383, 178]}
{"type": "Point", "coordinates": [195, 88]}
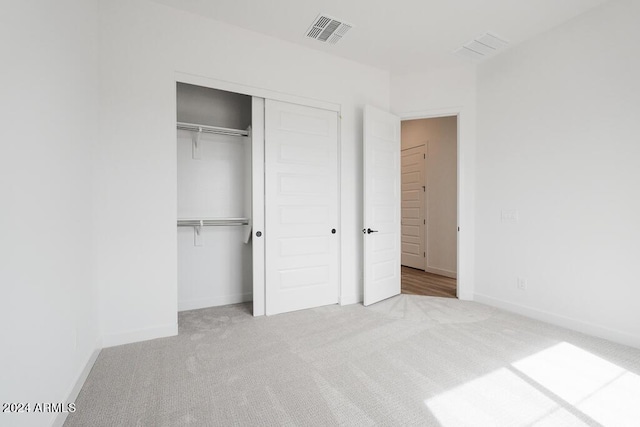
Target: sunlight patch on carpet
{"type": "Point", "coordinates": [605, 392]}
{"type": "Point", "coordinates": [498, 398]}
{"type": "Point", "coordinates": [561, 385]}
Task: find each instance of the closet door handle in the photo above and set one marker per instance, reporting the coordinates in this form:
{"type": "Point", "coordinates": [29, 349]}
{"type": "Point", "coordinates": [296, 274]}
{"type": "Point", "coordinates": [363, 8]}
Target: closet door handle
{"type": "Point", "coordinates": [258, 233]}
{"type": "Point", "coordinates": [369, 231]}
{"type": "Point", "coordinates": [333, 231]}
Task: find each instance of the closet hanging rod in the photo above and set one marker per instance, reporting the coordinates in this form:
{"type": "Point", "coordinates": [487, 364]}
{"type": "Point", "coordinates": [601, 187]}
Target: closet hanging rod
{"type": "Point", "coordinates": [212, 222]}
{"type": "Point", "coordinates": [212, 129]}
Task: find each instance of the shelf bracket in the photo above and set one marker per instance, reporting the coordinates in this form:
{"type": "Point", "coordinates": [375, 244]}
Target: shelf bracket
{"type": "Point", "coordinates": [195, 144]}
{"type": "Point", "coordinates": [197, 235]}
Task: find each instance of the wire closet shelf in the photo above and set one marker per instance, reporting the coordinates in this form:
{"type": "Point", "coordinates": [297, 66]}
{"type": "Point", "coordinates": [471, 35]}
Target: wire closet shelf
{"type": "Point", "coordinates": [192, 127]}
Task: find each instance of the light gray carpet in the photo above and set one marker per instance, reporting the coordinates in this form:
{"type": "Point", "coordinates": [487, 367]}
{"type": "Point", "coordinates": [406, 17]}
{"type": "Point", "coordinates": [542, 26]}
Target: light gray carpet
{"type": "Point", "coordinates": [410, 360]}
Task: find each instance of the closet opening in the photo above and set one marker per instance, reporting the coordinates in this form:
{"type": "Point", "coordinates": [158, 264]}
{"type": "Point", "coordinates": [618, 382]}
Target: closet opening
{"type": "Point", "coordinates": [214, 188]}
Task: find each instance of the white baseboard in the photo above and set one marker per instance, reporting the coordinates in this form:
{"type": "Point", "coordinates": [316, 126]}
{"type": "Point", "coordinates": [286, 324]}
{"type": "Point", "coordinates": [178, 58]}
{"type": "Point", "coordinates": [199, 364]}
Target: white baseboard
{"type": "Point", "coordinates": [559, 320]}
{"type": "Point", "coordinates": [465, 296]}
{"type": "Point", "coordinates": [140, 335]}
{"type": "Point", "coordinates": [195, 304]}
{"type": "Point", "coordinates": [351, 299]}
{"type": "Point", "coordinates": [440, 272]}
{"type": "Point", "coordinates": [73, 395]}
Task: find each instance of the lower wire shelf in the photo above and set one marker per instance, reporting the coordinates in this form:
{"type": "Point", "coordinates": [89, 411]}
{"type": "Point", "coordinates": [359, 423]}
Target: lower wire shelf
{"type": "Point", "coordinates": [211, 222]}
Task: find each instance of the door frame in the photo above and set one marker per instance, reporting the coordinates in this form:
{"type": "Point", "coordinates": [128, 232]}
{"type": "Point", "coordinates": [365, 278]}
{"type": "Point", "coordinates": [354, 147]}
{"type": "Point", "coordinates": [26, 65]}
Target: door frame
{"type": "Point", "coordinates": [463, 285]}
{"type": "Point", "coordinates": [259, 289]}
{"type": "Point", "coordinates": [254, 91]}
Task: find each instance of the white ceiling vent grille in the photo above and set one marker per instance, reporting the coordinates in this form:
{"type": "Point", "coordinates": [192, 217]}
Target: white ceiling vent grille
{"type": "Point", "coordinates": [327, 29]}
{"type": "Point", "coordinates": [482, 47]}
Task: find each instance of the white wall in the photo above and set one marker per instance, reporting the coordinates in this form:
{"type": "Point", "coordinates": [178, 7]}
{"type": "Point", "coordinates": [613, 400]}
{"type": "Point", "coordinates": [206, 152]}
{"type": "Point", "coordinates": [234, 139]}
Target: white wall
{"type": "Point", "coordinates": [143, 46]}
{"type": "Point", "coordinates": [442, 93]}
{"type": "Point", "coordinates": [558, 134]}
{"type": "Point", "coordinates": [48, 313]}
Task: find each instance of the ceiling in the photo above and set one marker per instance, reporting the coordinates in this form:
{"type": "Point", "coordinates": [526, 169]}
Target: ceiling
{"type": "Point", "coordinates": [399, 36]}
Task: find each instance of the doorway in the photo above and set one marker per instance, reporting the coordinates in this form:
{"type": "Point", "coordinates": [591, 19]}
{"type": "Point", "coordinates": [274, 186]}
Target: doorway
{"type": "Point", "coordinates": [429, 214]}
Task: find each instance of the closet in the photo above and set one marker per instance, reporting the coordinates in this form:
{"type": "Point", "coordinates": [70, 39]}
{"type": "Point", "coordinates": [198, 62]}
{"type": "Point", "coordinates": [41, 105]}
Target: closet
{"type": "Point", "coordinates": [214, 197]}
{"type": "Point", "coordinates": [258, 202]}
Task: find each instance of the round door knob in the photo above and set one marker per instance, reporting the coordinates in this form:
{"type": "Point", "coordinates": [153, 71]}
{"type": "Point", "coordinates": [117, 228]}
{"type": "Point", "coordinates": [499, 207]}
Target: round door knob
{"type": "Point", "coordinates": [333, 231]}
{"type": "Point", "coordinates": [258, 233]}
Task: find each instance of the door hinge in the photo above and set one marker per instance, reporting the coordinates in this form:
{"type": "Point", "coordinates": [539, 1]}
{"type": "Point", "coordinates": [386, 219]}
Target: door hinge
{"type": "Point", "coordinates": [424, 221]}
{"type": "Point", "coordinates": [424, 254]}
{"type": "Point", "coordinates": [424, 156]}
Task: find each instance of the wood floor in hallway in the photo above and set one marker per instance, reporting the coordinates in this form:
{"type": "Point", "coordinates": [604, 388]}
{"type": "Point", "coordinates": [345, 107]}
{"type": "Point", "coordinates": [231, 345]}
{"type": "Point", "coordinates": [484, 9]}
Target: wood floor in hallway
{"type": "Point", "coordinates": [418, 282]}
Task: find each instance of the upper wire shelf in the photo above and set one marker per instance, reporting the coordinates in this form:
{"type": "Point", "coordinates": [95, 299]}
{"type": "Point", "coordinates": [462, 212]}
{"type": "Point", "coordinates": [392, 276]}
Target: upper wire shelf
{"type": "Point", "coordinates": [212, 129]}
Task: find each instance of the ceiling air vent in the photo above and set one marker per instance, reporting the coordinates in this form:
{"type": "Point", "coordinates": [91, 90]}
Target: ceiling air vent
{"type": "Point", "coordinates": [481, 47]}
{"type": "Point", "coordinates": [327, 29]}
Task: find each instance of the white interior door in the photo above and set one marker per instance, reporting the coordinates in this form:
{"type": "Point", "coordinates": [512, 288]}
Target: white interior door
{"type": "Point", "coordinates": [301, 207]}
{"type": "Point", "coordinates": [413, 219]}
{"type": "Point", "coordinates": [257, 204]}
{"type": "Point", "coordinates": [381, 205]}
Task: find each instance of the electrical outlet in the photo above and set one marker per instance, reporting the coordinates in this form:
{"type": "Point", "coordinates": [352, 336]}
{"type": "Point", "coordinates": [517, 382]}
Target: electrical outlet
{"type": "Point", "coordinates": [509, 216]}
{"type": "Point", "coordinates": [521, 283]}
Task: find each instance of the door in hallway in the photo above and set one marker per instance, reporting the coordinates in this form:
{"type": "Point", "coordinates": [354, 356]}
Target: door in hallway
{"type": "Point", "coordinates": [413, 219]}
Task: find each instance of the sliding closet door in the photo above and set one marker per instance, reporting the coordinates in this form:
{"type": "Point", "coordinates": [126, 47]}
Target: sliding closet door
{"type": "Point", "coordinates": [257, 204]}
{"type": "Point", "coordinates": [301, 207]}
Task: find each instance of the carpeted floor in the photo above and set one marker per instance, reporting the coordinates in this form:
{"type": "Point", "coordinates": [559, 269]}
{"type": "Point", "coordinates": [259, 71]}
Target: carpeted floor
{"type": "Point", "coordinates": [410, 360]}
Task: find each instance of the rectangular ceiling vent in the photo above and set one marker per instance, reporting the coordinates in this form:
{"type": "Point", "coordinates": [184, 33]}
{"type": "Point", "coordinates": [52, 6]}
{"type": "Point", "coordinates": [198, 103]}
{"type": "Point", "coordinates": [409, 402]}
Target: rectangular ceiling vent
{"type": "Point", "coordinates": [327, 29]}
{"type": "Point", "coordinates": [482, 47]}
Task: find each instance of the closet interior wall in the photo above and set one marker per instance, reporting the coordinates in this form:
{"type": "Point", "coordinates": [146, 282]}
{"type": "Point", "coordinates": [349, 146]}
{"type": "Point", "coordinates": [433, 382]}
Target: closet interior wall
{"type": "Point", "coordinates": [214, 184]}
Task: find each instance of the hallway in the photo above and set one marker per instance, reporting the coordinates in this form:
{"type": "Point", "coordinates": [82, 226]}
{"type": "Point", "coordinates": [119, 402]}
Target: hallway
{"type": "Point", "coordinates": [418, 282]}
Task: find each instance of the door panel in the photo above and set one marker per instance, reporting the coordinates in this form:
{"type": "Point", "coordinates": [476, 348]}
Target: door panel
{"type": "Point", "coordinates": [413, 249]}
{"type": "Point", "coordinates": [301, 208]}
{"type": "Point", "coordinates": [382, 192]}
{"type": "Point", "coordinates": [257, 204]}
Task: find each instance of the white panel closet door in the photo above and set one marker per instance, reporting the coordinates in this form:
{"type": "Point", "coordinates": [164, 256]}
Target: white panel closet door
{"type": "Point", "coordinates": [381, 211]}
{"type": "Point", "coordinates": [413, 218]}
{"type": "Point", "coordinates": [301, 207]}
